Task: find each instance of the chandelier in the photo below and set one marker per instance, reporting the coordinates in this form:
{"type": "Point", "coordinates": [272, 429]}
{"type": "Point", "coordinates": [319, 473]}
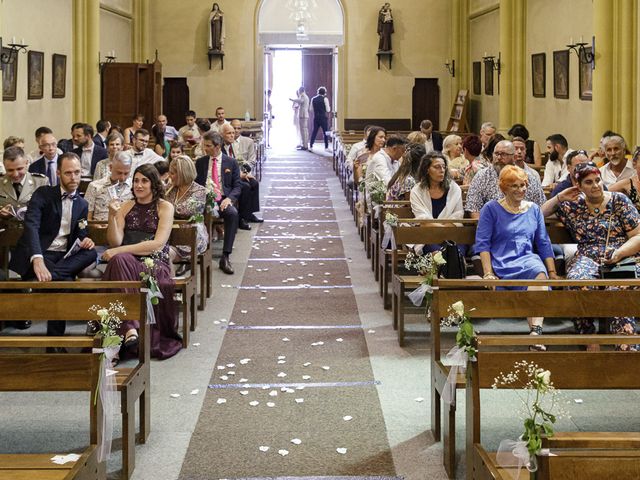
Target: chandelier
{"type": "Point", "coordinates": [301, 14]}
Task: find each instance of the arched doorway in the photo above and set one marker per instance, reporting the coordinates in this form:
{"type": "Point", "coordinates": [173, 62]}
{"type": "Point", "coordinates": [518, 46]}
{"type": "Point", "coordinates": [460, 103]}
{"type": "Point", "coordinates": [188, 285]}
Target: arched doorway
{"type": "Point", "coordinates": [300, 41]}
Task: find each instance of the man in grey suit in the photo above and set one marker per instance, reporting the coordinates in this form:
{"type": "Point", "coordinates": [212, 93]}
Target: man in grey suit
{"type": "Point", "coordinates": [17, 185]}
{"type": "Point", "coordinates": [303, 117]}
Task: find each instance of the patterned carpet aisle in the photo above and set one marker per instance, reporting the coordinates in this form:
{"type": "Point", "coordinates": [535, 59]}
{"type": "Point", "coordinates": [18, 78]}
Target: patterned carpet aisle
{"type": "Point", "coordinates": [293, 392]}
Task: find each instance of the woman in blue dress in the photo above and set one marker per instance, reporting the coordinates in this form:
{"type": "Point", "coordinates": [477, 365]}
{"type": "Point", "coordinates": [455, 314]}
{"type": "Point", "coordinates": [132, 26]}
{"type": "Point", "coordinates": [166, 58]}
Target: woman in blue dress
{"type": "Point", "coordinates": [510, 232]}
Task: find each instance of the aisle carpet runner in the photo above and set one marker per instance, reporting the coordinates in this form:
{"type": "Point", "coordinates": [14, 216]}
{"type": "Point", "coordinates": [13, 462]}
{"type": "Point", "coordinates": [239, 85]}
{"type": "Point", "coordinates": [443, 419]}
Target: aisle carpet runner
{"type": "Point", "coordinates": [292, 392]}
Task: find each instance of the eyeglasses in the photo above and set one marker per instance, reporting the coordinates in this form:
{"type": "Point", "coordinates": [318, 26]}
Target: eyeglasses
{"type": "Point", "coordinates": [503, 154]}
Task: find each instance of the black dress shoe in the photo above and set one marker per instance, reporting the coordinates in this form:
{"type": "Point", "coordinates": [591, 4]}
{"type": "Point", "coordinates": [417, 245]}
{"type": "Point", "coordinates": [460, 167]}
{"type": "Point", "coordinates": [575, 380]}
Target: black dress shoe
{"type": "Point", "coordinates": [56, 350]}
{"type": "Point", "coordinates": [243, 225]}
{"type": "Point", "coordinates": [21, 325]}
{"type": "Point", "coordinates": [225, 265]}
{"type": "Point", "coordinates": [254, 219]}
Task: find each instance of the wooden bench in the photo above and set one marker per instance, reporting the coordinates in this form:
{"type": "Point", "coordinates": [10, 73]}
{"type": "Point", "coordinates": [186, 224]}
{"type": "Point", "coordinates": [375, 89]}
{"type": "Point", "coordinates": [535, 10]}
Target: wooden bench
{"type": "Point", "coordinates": [462, 231]}
{"type": "Point", "coordinates": [557, 303]}
{"type": "Point", "coordinates": [31, 466]}
{"type": "Point", "coordinates": [45, 302]}
{"type": "Point", "coordinates": [573, 454]}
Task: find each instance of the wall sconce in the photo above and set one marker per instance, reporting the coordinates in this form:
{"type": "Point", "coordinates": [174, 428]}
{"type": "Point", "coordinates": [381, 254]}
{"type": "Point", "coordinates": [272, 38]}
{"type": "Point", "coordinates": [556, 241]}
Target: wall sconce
{"type": "Point", "coordinates": [14, 49]}
{"type": "Point", "coordinates": [110, 57]}
{"type": "Point", "coordinates": [451, 67]}
{"type": "Point", "coordinates": [584, 56]}
{"type": "Point", "coordinates": [495, 64]}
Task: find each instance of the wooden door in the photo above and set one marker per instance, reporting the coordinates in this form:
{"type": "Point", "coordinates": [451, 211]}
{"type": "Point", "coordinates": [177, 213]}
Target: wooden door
{"type": "Point", "coordinates": [426, 102]}
{"type": "Point", "coordinates": [175, 100]}
{"type": "Point", "coordinates": [317, 71]}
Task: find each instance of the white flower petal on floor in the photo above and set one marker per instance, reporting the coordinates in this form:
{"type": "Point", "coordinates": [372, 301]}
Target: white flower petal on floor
{"type": "Point", "coordinates": [231, 365]}
{"type": "Point", "coordinates": [339, 340]}
{"type": "Point", "coordinates": [244, 392]}
{"type": "Point", "coordinates": [306, 364]}
{"type": "Point", "coordinates": [341, 451]}
{"type": "Point", "coordinates": [243, 380]}
{"type": "Point", "coordinates": [283, 452]}
{"type": "Point", "coordinates": [174, 395]}
{"type": "Point", "coordinates": [244, 361]}
{"type": "Point", "coordinates": [220, 401]}
{"type": "Point", "coordinates": [271, 404]}
{"type": "Point", "coordinates": [285, 339]}
{"type": "Point", "coordinates": [254, 403]}
{"type": "Point", "coordinates": [196, 344]}
{"type": "Point", "coordinates": [224, 377]}
{"type": "Point", "coordinates": [419, 399]}
{"type": "Point", "coordinates": [306, 377]}
{"type": "Point", "coordinates": [371, 331]}
{"type": "Point", "coordinates": [347, 418]}
{"type": "Point", "coordinates": [221, 367]}
{"type": "Point", "coordinates": [282, 375]}
{"type": "Point", "coordinates": [195, 391]}
{"type": "Point", "coordinates": [296, 441]}
{"type": "Point", "coordinates": [299, 400]}
{"type": "Point", "coordinates": [326, 367]}
{"type": "Point", "coordinates": [263, 448]}
{"type": "Point", "coordinates": [273, 393]}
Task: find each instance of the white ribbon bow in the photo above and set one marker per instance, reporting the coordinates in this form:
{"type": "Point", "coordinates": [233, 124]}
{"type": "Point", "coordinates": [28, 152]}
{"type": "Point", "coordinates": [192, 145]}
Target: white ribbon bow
{"type": "Point", "coordinates": [513, 453]}
{"type": "Point", "coordinates": [389, 237]}
{"type": "Point", "coordinates": [108, 397]}
{"type": "Point", "coordinates": [151, 316]}
{"type": "Point", "coordinates": [457, 359]}
{"type": "Point", "coordinates": [417, 296]}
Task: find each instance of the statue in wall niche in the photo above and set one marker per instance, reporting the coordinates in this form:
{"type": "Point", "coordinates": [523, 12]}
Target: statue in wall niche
{"type": "Point", "coordinates": [216, 29]}
{"type": "Point", "coordinates": [385, 28]}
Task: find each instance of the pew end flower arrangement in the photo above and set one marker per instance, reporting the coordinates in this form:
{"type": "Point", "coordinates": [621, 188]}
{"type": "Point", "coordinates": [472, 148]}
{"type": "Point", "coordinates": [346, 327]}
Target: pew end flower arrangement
{"type": "Point", "coordinates": [109, 322]}
{"type": "Point", "coordinates": [541, 408]}
{"type": "Point", "coordinates": [149, 278]}
{"type": "Point", "coordinates": [378, 192]}
{"type": "Point", "coordinates": [196, 206]}
{"type": "Point", "coordinates": [427, 266]}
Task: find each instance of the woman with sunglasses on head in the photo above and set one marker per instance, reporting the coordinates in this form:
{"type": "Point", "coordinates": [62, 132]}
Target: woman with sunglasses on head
{"type": "Point", "coordinates": [606, 227]}
{"type": "Point", "coordinates": [403, 180]}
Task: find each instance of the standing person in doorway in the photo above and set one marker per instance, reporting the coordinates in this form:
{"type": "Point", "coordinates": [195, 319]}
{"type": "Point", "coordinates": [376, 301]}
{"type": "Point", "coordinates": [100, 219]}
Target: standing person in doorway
{"type": "Point", "coordinates": [303, 117]}
{"type": "Point", "coordinates": [320, 107]}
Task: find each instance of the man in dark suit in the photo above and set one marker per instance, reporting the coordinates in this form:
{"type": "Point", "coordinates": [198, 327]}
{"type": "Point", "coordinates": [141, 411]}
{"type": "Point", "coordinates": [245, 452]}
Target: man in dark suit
{"type": "Point", "coordinates": [47, 164]}
{"type": "Point", "coordinates": [102, 131]}
{"type": "Point", "coordinates": [434, 139]}
{"type": "Point", "coordinates": [55, 219]}
{"type": "Point", "coordinates": [88, 152]}
{"type": "Point", "coordinates": [223, 175]}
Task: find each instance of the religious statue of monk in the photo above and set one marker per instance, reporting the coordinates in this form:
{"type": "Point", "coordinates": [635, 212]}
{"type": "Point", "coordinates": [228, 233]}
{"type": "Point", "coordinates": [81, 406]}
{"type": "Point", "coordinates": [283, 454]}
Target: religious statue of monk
{"type": "Point", "coordinates": [385, 28]}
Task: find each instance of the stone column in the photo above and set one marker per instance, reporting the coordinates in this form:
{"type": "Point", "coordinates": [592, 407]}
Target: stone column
{"type": "Point", "coordinates": [511, 100]}
{"type": "Point", "coordinates": [140, 52]}
{"type": "Point", "coordinates": [86, 73]}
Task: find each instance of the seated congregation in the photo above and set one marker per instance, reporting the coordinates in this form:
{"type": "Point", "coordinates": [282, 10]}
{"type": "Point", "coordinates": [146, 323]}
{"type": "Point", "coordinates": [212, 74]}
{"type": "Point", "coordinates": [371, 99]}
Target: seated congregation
{"type": "Point", "coordinates": [112, 206]}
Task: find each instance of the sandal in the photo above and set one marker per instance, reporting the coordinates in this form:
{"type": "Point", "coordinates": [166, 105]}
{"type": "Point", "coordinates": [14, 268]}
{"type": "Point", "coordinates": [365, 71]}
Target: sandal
{"type": "Point", "coordinates": [130, 342]}
{"type": "Point", "coordinates": [536, 330]}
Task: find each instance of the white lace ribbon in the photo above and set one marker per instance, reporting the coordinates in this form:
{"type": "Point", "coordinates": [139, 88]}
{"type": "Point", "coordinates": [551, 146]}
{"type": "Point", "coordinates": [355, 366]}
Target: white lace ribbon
{"type": "Point", "coordinates": [512, 453]}
{"type": "Point", "coordinates": [389, 237]}
{"type": "Point", "coordinates": [108, 397]}
{"type": "Point", "coordinates": [151, 316]}
{"type": "Point", "coordinates": [417, 296]}
{"type": "Point", "coordinates": [457, 359]}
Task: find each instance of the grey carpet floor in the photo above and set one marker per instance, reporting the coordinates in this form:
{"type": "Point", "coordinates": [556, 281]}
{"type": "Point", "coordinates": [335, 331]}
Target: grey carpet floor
{"type": "Point", "coordinates": [293, 391]}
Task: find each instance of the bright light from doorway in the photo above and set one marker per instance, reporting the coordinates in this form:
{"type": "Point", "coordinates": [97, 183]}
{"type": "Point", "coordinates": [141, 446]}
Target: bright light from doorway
{"type": "Point", "coordinates": [287, 78]}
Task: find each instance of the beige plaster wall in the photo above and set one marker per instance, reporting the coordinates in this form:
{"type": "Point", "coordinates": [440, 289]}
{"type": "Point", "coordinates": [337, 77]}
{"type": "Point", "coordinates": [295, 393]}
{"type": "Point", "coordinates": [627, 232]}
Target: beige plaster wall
{"type": "Point", "coordinates": [545, 116]}
{"type": "Point", "coordinates": [421, 45]}
{"type": "Point", "coordinates": [484, 34]}
{"type": "Point", "coordinates": [28, 19]}
{"type": "Point", "coordinates": [115, 34]}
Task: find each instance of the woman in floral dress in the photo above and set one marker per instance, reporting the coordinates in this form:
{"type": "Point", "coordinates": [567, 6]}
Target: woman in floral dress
{"type": "Point", "coordinates": [403, 180]}
{"type": "Point", "coordinates": [606, 227]}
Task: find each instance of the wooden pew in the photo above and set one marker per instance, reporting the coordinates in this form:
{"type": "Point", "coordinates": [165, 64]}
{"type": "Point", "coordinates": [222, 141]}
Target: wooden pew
{"type": "Point", "coordinates": [462, 231]}
{"type": "Point", "coordinates": [515, 304]}
{"type": "Point", "coordinates": [574, 454]}
{"type": "Point", "coordinates": [45, 302]}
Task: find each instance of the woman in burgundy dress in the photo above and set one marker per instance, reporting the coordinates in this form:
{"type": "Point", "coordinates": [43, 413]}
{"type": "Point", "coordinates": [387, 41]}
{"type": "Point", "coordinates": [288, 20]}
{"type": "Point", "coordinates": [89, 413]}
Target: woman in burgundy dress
{"type": "Point", "coordinates": [140, 228]}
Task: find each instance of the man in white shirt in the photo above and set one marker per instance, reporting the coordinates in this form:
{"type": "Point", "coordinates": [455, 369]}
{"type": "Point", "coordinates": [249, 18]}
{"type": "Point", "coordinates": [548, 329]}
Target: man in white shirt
{"type": "Point", "coordinates": [385, 163]}
{"type": "Point", "coordinates": [303, 117]}
{"type": "Point", "coordinates": [170, 133]}
{"type": "Point", "coordinates": [189, 133]}
{"type": "Point", "coordinates": [434, 139]}
{"type": "Point", "coordinates": [90, 153]}
{"type": "Point", "coordinates": [556, 167]}
{"type": "Point", "coordinates": [618, 167]}
{"type": "Point", "coordinates": [244, 147]}
{"type": "Point", "coordinates": [114, 188]}
{"type": "Point", "coordinates": [217, 125]}
{"type": "Point", "coordinates": [139, 152]}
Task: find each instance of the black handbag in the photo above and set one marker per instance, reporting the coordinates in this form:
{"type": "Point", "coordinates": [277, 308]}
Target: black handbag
{"type": "Point", "coordinates": [623, 269]}
{"type": "Point", "coordinates": [456, 266]}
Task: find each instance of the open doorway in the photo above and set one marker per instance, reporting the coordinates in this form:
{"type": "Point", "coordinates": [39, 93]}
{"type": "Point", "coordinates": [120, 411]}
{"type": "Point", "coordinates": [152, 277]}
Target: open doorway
{"type": "Point", "coordinates": [285, 79]}
{"type": "Point", "coordinates": [286, 69]}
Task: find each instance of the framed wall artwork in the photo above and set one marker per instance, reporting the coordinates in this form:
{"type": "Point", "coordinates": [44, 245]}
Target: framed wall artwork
{"type": "Point", "coordinates": [539, 74]}
{"type": "Point", "coordinates": [477, 74]}
{"type": "Point", "coordinates": [35, 74]}
{"type": "Point", "coordinates": [59, 76]}
{"type": "Point", "coordinates": [488, 78]}
{"type": "Point", "coordinates": [585, 78]}
{"type": "Point", "coordinates": [9, 78]}
{"type": "Point", "coordinates": [561, 74]}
